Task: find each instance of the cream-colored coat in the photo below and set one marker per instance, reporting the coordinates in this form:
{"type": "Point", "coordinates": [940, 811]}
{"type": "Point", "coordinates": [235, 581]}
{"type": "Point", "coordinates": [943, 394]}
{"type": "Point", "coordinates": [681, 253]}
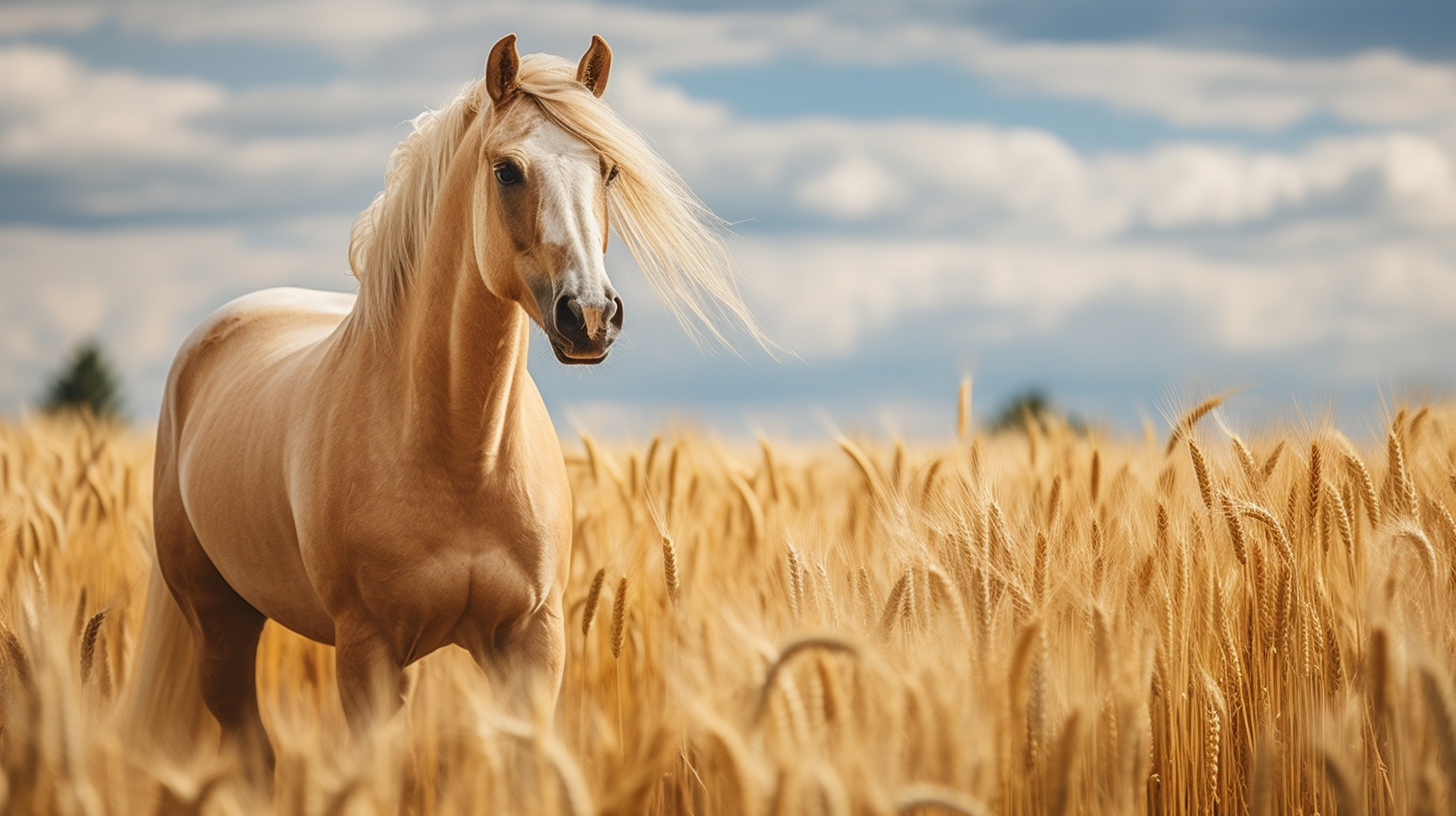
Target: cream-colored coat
{"type": "Point", "coordinates": [391, 486]}
{"type": "Point", "coordinates": [380, 473]}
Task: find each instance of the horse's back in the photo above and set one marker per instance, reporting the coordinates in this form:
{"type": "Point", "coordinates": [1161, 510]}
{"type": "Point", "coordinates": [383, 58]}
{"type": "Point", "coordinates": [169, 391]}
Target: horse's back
{"type": "Point", "coordinates": [247, 337]}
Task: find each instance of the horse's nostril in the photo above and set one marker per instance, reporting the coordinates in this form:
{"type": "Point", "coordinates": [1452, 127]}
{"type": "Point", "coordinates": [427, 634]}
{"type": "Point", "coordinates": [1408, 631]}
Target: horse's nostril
{"type": "Point", "coordinates": [567, 318]}
{"type": "Point", "coordinates": [614, 312]}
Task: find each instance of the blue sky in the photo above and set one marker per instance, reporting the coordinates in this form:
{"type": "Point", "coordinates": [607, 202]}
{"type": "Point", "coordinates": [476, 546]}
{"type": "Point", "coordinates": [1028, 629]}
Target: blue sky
{"type": "Point", "coordinates": [1127, 203]}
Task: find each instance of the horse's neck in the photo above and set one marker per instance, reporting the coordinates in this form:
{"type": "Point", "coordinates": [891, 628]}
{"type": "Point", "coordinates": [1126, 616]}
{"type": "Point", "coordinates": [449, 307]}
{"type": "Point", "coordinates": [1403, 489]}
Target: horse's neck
{"type": "Point", "coordinates": [459, 351]}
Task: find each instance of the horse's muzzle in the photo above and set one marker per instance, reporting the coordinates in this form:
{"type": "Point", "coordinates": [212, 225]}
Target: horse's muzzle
{"type": "Point", "coordinates": [583, 330]}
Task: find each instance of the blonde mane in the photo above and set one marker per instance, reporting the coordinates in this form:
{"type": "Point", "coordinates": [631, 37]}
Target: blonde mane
{"type": "Point", "coordinates": [672, 235]}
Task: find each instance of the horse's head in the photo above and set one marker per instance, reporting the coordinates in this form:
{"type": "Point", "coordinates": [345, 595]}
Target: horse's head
{"type": "Point", "coordinates": [541, 194]}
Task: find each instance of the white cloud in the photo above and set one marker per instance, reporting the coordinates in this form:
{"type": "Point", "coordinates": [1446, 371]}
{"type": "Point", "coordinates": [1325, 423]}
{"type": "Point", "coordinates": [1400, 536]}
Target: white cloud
{"type": "Point", "coordinates": [825, 296]}
{"type": "Point", "coordinates": [651, 105]}
{"type": "Point", "coordinates": [1221, 88]}
{"type": "Point", "coordinates": [121, 143]}
{"type": "Point", "coordinates": [141, 290]}
{"type": "Point", "coordinates": [21, 19]}
{"type": "Point", "coordinates": [938, 177]}
{"type": "Point", "coordinates": [855, 188]}
{"type": "Point", "coordinates": [328, 23]}
{"type": "Point", "coordinates": [1188, 87]}
{"type": "Point", "coordinates": [1408, 176]}
{"type": "Point", "coordinates": [1205, 88]}
{"type": "Point", "coordinates": [56, 111]}
{"type": "Point", "coordinates": [1191, 87]}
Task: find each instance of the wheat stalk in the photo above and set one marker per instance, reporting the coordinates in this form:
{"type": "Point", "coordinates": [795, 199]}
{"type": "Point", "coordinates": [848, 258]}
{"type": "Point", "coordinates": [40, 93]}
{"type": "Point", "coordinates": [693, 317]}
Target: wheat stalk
{"type": "Point", "coordinates": [1191, 418]}
{"type": "Point", "coordinates": [1266, 518]}
{"type": "Point", "coordinates": [1200, 472]}
{"type": "Point", "coordinates": [1315, 482]}
{"type": "Point", "coordinates": [1271, 463]}
{"type": "Point", "coordinates": [1246, 459]}
{"type": "Point", "coordinates": [922, 797]}
{"type": "Point", "coordinates": [1342, 520]}
{"type": "Point", "coordinates": [1039, 578]}
{"type": "Point", "coordinates": [619, 618]}
{"type": "Point", "coordinates": [963, 411]}
{"type": "Point", "coordinates": [669, 569]}
{"type": "Point", "coordinates": [1413, 534]}
{"type": "Point", "coordinates": [828, 590]}
{"type": "Point", "coordinates": [1063, 766]}
{"type": "Point", "coordinates": [894, 605]}
{"type": "Point", "coordinates": [1445, 729]}
{"type": "Point", "coordinates": [1392, 489]}
{"type": "Point", "coordinates": [1367, 487]}
{"type": "Point", "coordinates": [943, 594]}
{"type": "Point", "coordinates": [798, 647]}
{"type": "Point", "coordinates": [771, 468]}
{"type": "Point", "coordinates": [88, 642]}
{"type": "Point", "coordinates": [589, 613]}
{"type": "Point", "coordinates": [1212, 740]}
{"type": "Point", "coordinates": [873, 483]}
{"type": "Point", "coordinates": [796, 584]}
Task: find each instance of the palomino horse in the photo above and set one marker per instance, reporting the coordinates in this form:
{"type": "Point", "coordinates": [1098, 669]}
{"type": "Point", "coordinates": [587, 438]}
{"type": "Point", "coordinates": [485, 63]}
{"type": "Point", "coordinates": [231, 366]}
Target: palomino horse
{"type": "Point", "coordinates": [379, 472]}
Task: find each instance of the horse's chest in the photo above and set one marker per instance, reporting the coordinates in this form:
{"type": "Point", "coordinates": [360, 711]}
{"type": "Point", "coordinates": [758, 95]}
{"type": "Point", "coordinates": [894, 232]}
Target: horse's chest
{"type": "Point", "coordinates": [425, 561]}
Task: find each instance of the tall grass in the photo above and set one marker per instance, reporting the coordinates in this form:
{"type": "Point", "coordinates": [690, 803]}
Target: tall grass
{"type": "Point", "coordinates": [1041, 622]}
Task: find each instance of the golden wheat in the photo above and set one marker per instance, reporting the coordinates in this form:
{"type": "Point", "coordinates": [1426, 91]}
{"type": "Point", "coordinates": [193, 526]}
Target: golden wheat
{"type": "Point", "coordinates": [1036, 622]}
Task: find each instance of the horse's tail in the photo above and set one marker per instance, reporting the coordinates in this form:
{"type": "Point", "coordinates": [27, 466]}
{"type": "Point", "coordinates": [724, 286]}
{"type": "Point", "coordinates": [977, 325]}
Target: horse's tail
{"type": "Point", "coordinates": [165, 704]}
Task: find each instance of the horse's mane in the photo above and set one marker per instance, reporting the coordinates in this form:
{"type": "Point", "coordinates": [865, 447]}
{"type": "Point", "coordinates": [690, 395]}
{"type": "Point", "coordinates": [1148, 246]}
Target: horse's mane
{"type": "Point", "coordinates": [672, 235]}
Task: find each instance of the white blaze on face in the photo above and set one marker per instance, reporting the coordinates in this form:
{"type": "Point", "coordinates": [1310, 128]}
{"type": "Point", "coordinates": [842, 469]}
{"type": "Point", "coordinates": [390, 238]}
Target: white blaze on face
{"type": "Point", "coordinates": [567, 171]}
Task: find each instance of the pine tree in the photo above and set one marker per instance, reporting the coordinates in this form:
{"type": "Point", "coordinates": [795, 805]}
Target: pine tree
{"type": "Point", "coordinates": [86, 383]}
{"type": "Point", "coordinates": [1029, 405]}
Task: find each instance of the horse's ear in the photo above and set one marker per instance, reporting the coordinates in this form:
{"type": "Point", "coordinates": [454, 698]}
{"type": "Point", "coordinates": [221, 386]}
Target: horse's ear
{"type": "Point", "coordinates": [501, 68]}
{"type": "Point", "coordinates": [595, 65]}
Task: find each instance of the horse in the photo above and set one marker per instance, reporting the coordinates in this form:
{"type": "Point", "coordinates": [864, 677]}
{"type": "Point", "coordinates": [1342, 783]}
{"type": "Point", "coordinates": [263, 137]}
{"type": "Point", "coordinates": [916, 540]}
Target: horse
{"type": "Point", "coordinates": [378, 471]}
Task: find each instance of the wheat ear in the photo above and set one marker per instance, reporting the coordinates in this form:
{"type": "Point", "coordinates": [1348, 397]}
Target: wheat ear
{"type": "Point", "coordinates": [1191, 418]}
{"type": "Point", "coordinates": [592, 595]}
{"type": "Point", "coordinates": [669, 569]}
{"type": "Point", "coordinates": [619, 618]}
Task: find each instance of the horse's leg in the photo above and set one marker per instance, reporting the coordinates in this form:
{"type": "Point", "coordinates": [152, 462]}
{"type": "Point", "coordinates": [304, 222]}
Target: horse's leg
{"type": "Point", "coordinates": [526, 669]}
{"type": "Point", "coordinates": [227, 670]}
{"type": "Point", "coordinates": [370, 676]}
{"type": "Point", "coordinates": [227, 630]}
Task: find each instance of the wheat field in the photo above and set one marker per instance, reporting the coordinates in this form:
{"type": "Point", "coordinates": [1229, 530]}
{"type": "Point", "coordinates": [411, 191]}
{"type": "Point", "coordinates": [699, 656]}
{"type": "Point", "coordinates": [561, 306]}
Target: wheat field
{"type": "Point", "coordinates": [1047, 621]}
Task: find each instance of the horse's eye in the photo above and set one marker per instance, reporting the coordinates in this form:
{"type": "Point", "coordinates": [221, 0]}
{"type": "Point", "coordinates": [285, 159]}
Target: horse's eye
{"type": "Point", "coordinates": [612, 174]}
{"type": "Point", "coordinates": [507, 174]}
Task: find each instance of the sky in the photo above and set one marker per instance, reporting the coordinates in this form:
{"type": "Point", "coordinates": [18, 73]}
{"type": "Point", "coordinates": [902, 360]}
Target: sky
{"type": "Point", "coordinates": [1129, 204]}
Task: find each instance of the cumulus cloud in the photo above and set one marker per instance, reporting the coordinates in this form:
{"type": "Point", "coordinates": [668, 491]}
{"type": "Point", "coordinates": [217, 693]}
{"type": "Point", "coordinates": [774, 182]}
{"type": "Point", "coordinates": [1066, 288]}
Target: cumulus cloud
{"type": "Point", "coordinates": [1189, 87]}
{"type": "Point", "coordinates": [964, 178]}
{"type": "Point", "coordinates": [1404, 176]}
{"type": "Point", "coordinates": [1220, 88]}
{"type": "Point", "coordinates": [322, 22]}
{"type": "Point", "coordinates": [855, 188]}
{"type": "Point", "coordinates": [142, 289]}
{"type": "Point", "coordinates": [1184, 86]}
{"type": "Point", "coordinates": [55, 111]}
{"type": "Point", "coordinates": [825, 297]}
{"type": "Point", "coordinates": [19, 19]}
{"type": "Point", "coordinates": [120, 143]}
